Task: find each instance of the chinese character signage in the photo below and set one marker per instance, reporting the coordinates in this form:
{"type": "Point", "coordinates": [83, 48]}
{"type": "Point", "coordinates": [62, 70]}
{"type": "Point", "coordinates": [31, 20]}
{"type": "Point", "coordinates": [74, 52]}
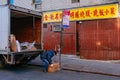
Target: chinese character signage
{"type": "Point", "coordinates": [96, 12]}
{"type": "Point", "coordinates": [66, 17]}
{"type": "Point", "coordinates": [55, 16]}
{"type": "Point", "coordinates": [86, 13]}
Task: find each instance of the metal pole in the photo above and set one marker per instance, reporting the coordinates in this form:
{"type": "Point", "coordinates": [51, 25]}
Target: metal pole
{"type": "Point", "coordinates": [33, 28]}
{"type": "Point", "coordinates": [61, 41]}
{"type": "Point", "coordinates": [60, 46]}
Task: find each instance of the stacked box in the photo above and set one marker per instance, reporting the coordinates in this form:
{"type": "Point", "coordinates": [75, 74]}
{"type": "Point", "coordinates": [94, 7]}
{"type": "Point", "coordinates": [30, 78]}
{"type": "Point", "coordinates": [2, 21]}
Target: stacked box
{"type": "Point", "coordinates": [54, 67]}
{"type": "Point", "coordinates": [13, 45]}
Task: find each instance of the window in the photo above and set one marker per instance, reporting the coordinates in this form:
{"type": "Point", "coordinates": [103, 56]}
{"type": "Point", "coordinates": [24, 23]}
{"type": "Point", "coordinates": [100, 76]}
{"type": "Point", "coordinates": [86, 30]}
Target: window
{"type": "Point", "coordinates": [44, 25]}
{"type": "Point", "coordinates": [37, 1]}
{"type": "Point", "coordinates": [37, 4]}
{"type": "Point", "coordinates": [75, 1]}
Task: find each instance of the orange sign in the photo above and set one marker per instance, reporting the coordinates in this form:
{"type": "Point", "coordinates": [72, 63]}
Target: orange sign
{"type": "Point", "coordinates": [87, 13]}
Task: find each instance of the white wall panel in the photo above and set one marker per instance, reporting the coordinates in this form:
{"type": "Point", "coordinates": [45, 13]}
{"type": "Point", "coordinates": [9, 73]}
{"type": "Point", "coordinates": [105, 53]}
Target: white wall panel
{"type": "Point", "coordinates": [4, 27]}
{"type": "Point", "coordinates": [3, 2]}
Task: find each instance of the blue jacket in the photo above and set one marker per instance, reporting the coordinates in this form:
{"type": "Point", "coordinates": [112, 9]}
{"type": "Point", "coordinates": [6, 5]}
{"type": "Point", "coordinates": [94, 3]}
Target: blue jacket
{"type": "Point", "coordinates": [48, 55]}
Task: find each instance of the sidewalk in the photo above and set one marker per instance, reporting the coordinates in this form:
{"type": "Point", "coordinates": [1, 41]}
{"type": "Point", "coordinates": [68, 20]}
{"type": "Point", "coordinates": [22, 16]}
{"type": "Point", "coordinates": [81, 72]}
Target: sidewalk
{"type": "Point", "coordinates": [72, 62]}
{"type": "Point", "coordinates": [93, 66]}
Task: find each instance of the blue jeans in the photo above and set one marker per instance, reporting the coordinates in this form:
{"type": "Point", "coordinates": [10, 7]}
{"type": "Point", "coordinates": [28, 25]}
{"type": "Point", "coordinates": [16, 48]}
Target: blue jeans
{"type": "Point", "coordinates": [46, 64]}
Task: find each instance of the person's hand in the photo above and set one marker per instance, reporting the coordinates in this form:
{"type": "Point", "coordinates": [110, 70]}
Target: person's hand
{"type": "Point", "coordinates": [50, 63]}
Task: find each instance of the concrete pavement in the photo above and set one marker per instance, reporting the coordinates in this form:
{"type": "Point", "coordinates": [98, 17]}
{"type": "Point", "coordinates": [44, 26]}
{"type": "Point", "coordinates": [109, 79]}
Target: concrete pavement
{"type": "Point", "coordinates": [72, 62]}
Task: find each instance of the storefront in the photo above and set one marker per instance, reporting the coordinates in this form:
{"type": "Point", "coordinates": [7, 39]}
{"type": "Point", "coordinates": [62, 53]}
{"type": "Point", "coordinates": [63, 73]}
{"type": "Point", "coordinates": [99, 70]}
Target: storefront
{"type": "Point", "coordinates": [93, 32]}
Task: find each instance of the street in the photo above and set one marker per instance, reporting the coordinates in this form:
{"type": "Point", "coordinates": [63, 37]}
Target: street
{"type": "Point", "coordinates": [85, 34]}
{"type": "Point", "coordinates": [31, 72]}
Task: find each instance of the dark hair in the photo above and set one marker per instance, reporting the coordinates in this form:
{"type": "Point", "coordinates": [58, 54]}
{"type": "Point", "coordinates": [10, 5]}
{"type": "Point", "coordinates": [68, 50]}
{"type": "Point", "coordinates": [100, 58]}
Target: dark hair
{"type": "Point", "coordinates": [55, 52]}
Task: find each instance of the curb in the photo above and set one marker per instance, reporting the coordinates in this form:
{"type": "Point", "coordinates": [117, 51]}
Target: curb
{"type": "Point", "coordinates": [85, 71]}
{"type": "Point", "coordinates": [102, 73]}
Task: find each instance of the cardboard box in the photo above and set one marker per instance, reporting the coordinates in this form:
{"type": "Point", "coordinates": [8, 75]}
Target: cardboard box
{"type": "Point", "coordinates": [54, 67]}
{"type": "Point", "coordinates": [13, 45]}
{"type": "Point", "coordinates": [31, 46]}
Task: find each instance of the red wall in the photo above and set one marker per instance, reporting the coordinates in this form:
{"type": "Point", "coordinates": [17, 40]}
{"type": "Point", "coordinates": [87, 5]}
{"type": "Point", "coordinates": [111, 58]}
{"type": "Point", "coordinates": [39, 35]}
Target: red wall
{"type": "Point", "coordinates": [52, 39]}
{"type": "Point", "coordinates": [93, 39]}
{"type": "Point", "coordinates": [25, 30]}
{"type": "Point", "coordinates": [69, 39]}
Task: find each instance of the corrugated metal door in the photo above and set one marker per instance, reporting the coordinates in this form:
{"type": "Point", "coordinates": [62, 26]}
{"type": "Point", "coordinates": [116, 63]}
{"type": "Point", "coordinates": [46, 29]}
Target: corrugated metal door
{"type": "Point", "coordinates": [87, 33]}
{"type": "Point", "coordinates": [99, 39]}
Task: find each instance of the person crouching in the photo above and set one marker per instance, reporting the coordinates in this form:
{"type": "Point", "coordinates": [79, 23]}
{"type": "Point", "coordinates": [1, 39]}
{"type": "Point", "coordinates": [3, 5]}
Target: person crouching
{"type": "Point", "coordinates": [46, 57]}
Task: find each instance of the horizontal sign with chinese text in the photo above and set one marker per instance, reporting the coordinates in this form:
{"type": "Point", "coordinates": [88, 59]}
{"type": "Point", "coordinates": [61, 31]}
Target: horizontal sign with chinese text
{"type": "Point", "coordinates": [86, 13]}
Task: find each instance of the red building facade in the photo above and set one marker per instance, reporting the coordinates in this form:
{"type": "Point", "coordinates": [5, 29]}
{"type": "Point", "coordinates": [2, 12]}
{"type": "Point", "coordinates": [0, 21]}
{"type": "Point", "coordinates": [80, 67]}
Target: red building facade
{"type": "Point", "coordinates": [93, 32]}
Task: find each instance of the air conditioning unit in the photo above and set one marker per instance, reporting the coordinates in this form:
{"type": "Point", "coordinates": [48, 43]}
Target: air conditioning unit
{"type": "Point", "coordinates": [56, 27]}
